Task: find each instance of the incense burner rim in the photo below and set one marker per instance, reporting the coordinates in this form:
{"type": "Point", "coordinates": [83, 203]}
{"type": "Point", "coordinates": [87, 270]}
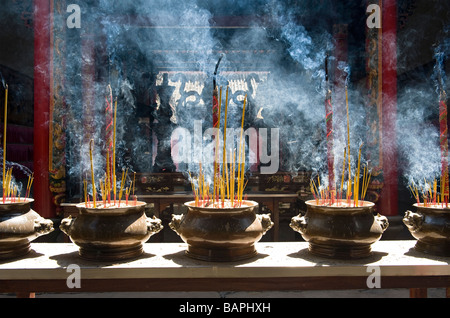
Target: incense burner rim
{"type": "Point", "coordinates": [111, 210]}
{"type": "Point", "coordinates": [248, 204]}
{"type": "Point", "coordinates": [364, 205]}
{"type": "Point", "coordinates": [430, 208]}
{"type": "Point", "coordinates": [22, 206]}
{"type": "Point", "coordinates": [22, 201]}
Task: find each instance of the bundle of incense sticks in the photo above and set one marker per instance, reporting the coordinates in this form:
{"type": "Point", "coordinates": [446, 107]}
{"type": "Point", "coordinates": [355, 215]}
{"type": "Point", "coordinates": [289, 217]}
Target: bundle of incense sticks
{"type": "Point", "coordinates": [443, 139]}
{"type": "Point", "coordinates": [324, 196]}
{"type": "Point", "coordinates": [228, 186]}
{"type": "Point", "coordinates": [108, 186]}
{"type": "Point", "coordinates": [430, 194]}
{"type": "Point", "coordinates": [431, 197]}
{"type": "Point", "coordinates": [355, 191]}
{"type": "Point", "coordinates": [5, 121]}
{"type": "Point", "coordinates": [11, 192]}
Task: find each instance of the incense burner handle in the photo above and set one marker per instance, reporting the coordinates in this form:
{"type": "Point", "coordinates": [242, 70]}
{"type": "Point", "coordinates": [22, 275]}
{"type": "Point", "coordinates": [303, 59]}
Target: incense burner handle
{"type": "Point", "coordinates": [65, 225]}
{"type": "Point", "coordinates": [154, 225]}
{"type": "Point", "coordinates": [413, 220]}
{"type": "Point", "coordinates": [176, 222]}
{"type": "Point", "coordinates": [43, 226]}
{"type": "Point", "coordinates": [266, 222]}
{"type": "Point", "coordinates": [299, 223]}
{"type": "Point", "coordinates": [382, 221]}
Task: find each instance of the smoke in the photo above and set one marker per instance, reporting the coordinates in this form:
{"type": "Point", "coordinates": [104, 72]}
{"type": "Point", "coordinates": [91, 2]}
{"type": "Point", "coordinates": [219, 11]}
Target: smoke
{"type": "Point", "coordinates": [160, 37]}
{"type": "Point", "coordinates": [418, 135]}
{"type": "Point", "coordinates": [277, 58]}
{"type": "Point", "coordinates": [418, 117]}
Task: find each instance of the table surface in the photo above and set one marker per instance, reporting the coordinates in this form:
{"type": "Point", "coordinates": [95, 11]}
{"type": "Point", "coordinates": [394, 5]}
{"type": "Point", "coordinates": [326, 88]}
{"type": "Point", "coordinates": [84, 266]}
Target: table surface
{"type": "Point", "coordinates": [168, 260]}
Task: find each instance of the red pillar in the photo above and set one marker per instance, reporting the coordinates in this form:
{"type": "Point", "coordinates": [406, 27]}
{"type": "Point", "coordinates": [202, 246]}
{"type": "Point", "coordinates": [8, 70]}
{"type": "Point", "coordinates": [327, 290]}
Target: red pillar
{"type": "Point", "coordinates": [389, 193]}
{"type": "Point", "coordinates": [42, 80]}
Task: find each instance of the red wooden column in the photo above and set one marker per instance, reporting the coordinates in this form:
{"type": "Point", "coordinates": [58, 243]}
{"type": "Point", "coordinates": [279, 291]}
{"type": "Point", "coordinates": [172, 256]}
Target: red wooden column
{"type": "Point", "coordinates": [43, 203]}
{"type": "Point", "coordinates": [389, 192]}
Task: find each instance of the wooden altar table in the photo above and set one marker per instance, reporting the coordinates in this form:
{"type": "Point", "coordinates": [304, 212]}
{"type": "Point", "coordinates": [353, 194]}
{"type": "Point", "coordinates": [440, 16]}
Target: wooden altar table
{"type": "Point", "coordinates": [278, 266]}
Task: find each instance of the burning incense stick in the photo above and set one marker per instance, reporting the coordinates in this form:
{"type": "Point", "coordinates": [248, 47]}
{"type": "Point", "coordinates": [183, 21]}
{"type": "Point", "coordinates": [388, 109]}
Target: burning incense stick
{"type": "Point", "coordinates": [328, 194]}
{"type": "Point", "coordinates": [103, 191]}
{"type": "Point", "coordinates": [356, 183]}
{"type": "Point", "coordinates": [232, 171]}
{"type": "Point", "coordinates": [228, 184]}
{"type": "Point", "coordinates": [343, 171]}
{"type": "Point", "coordinates": [216, 149]}
{"type": "Point", "coordinates": [122, 183]}
{"type": "Point", "coordinates": [415, 192]}
{"type": "Point", "coordinates": [349, 186]}
{"type": "Point", "coordinates": [5, 120]}
{"type": "Point", "coordinates": [114, 151]}
{"type": "Point", "coordinates": [108, 179]}
{"type": "Point", "coordinates": [109, 117]}
{"type": "Point", "coordinates": [225, 127]}
{"type": "Point", "coordinates": [444, 144]}
{"type": "Point", "coordinates": [29, 183]}
{"type": "Point", "coordinates": [7, 186]}
{"type": "Point", "coordinates": [227, 179]}
{"type": "Point", "coordinates": [329, 128]}
{"type": "Point", "coordinates": [241, 155]}
{"type": "Point", "coordinates": [134, 180]}
{"type": "Point", "coordinates": [91, 145]}
{"type": "Point", "coordinates": [366, 180]}
{"type": "Point", "coordinates": [85, 192]}
{"type": "Point", "coordinates": [216, 108]}
{"type": "Point", "coordinates": [444, 182]}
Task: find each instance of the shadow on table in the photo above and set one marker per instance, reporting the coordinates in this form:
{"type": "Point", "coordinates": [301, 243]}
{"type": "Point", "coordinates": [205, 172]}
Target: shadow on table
{"type": "Point", "coordinates": [415, 253]}
{"type": "Point", "coordinates": [67, 259]}
{"type": "Point", "coordinates": [31, 254]}
{"type": "Point", "coordinates": [320, 261]}
{"type": "Point", "coordinates": [181, 258]}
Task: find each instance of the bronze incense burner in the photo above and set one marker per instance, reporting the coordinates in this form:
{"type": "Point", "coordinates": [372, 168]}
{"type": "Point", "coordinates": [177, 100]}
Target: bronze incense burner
{"type": "Point", "coordinates": [19, 225]}
{"type": "Point", "coordinates": [338, 231]}
{"type": "Point", "coordinates": [221, 234]}
{"type": "Point", "coordinates": [110, 234]}
{"type": "Point", "coordinates": [430, 225]}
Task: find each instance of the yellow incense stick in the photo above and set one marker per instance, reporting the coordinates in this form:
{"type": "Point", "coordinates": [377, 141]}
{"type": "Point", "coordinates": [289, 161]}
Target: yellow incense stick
{"type": "Point", "coordinates": [343, 171]}
{"type": "Point", "coordinates": [233, 170]}
{"type": "Point", "coordinates": [242, 175]}
{"type": "Point", "coordinates": [356, 186]}
{"type": "Point", "coordinates": [102, 190]}
{"type": "Point", "coordinates": [240, 171]}
{"type": "Point", "coordinates": [114, 151]}
{"type": "Point", "coordinates": [434, 190]}
{"type": "Point", "coordinates": [200, 181]}
{"type": "Point", "coordinates": [29, 183]}
{"type": "Point", "coordinates": [134, 180]}
{"type": "Point", "coordinates": [216, 150]}
{"type": "Point", "coordinates": [225, 130]}
{"type": "Point", "coordinates": [227, 176]}
{"type": "Point", "coordinates": [91, 144]}
{"type": "Point", "coordinates": [122, 183]}
{"type": "Point", "coordinates": [85, 191]}
{"type": "Point", "coordinates": [348, 147]}
{"type": "Point", "coordinates": [5, 120]}
{"type": "Point", "coordinates": [108, 176]}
